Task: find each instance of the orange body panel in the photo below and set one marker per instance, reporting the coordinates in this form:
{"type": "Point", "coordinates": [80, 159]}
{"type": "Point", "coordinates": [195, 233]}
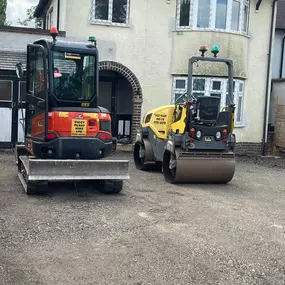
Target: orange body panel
{"type": "Point", "coordinates": [69, 124]}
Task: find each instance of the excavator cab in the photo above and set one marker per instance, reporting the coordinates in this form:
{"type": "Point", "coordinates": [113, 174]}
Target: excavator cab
{"type": "Point", "coordinates": [63, 123]}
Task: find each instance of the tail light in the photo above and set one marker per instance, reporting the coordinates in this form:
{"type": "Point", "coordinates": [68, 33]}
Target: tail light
{"type": "Point", "coordinates": [105, 137]}
{"type": "Point", "coordinates": [51, 136]}
{"type": "Point", "coordinates": [225, 133]}
{"type": "Point", "coordinates": [192, 132]}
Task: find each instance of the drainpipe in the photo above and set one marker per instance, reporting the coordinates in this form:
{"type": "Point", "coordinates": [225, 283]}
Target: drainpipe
{"type": "Point", "coordinates": [258, 5]}
{"type": "Point", "coordinates": [282, 57]}
{"type": "Point", "coordinates": [58, 13]}
{"type": "Point", "coordinates": [268, 79]}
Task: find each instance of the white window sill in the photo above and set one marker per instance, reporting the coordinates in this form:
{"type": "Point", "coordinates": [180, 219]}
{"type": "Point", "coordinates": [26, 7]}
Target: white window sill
{"type": "Point", "coordinates": [239, 126]}
{"type": "Point", "coordinates": [188, 29]}
{"type": "Point", "coordinates": [108, 24]}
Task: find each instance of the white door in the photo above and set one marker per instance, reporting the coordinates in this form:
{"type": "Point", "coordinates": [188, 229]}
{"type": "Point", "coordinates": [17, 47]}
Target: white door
{"type": "Point", "coordinates": [21, 111]}
{"type": "Point", "coordinates": [6, 96]}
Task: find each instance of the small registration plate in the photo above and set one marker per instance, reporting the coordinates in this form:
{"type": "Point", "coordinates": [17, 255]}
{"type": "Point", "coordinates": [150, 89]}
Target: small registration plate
{"type": "Point", "coordinates": [208, 139]}
{"type": "Point", "coordinates": [78, 128]}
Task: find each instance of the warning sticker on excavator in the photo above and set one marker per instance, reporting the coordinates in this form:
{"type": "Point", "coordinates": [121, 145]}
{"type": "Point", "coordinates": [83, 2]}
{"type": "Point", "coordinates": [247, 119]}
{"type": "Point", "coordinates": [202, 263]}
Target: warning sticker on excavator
{"type": "Point", "coordinates": [91, 115]}
{"type": "Point", "coordinates": [63, 114]}
{"type": "Point", "coordinates": [79, 128]}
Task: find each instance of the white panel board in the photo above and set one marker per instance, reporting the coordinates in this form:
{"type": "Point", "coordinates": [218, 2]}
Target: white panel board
{"type": "Point", "coordinates": [5, 124]}
{"type": "Point", "coordinates": [21, 133]}
{"type": "Point", "coordinates": [127, 128]}
{"type": "Point", "coordinates": [121, 127]}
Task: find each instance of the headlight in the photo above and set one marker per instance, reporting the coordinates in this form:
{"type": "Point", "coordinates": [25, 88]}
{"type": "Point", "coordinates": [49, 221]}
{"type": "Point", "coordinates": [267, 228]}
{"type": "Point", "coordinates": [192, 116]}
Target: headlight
{"type": "Point", "coordinates": [198, 134]}
{"type": "Point", "coordinates": [218, 135]}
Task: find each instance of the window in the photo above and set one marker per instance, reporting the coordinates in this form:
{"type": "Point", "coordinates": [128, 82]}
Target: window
{"type": "Point", "coordinates": [113, 12]}
{"type": "Point", "coordinates": [207, 86]}
{"type": "Point", "coordinates": [35, 99]}
{"type": "Point", "coordinates": [203, 17]}
{"type": "Point", "coordinates": [73, 77]}
{"type": "Point", "coordinates": [221, 14]}
{"type": "Point", "coordinates": [36, 73]}
{"type": "Point", "coordinates": [245, 18]}
{"type": "Point", "coordinates": [235, 15]}
{"type": "Point", "coordinates": [6, 90]}
{"type": "Point", "coordinates": [226, 15]}
{"type": "Point", "coordinates": [50, 18]}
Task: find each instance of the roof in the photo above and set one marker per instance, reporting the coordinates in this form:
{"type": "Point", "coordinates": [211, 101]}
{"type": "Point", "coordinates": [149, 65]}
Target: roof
{"type": "Point", "coordinates": [40, 8]}
{"type": "Point", "coordinates": [280, 18]}
{"type": "Point", "coordinates": [9, 59]}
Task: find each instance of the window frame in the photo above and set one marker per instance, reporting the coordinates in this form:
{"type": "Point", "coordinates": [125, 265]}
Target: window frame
{"type": "Point", "coordinates": [110, 22]}
{"type": "Point", "coordinates": [208, 90]}
{"type": "Point", "coordinates": [193, 19]}
{"type": "Point", "coordinates": [19, 91]}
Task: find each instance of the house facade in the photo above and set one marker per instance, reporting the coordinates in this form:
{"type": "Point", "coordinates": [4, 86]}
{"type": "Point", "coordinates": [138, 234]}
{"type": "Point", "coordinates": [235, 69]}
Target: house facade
{"type": "Point", "coordinates": [145, 47]}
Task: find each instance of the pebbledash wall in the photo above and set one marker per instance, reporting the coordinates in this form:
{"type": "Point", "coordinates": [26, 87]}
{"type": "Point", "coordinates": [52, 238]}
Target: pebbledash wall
{"type": "Point", "coordinates": [153, 48]}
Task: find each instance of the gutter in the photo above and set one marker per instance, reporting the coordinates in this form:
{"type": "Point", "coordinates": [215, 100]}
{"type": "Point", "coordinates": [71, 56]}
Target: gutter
{"type": "Point", "coordinates": [282, 58]}
{"type": "Point", "coordinates": [264, 143]}
{"type": "Point", "coordinates": [58, 13]}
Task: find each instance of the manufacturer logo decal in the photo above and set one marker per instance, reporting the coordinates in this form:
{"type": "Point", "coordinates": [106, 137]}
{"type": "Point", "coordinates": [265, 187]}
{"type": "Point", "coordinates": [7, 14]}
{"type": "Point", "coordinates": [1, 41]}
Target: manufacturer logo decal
{"type": "Point", "coordinates": [80, 116]}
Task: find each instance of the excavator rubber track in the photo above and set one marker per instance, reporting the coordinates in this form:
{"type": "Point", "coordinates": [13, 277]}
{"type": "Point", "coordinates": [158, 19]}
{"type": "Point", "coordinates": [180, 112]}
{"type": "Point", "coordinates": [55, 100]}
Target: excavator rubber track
{"type": "Point", "coordinates": [200, 168]}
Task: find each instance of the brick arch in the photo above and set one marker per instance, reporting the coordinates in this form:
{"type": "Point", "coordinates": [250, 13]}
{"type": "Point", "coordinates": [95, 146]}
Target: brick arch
{"type": "Point", "coordinates": [136, 87]}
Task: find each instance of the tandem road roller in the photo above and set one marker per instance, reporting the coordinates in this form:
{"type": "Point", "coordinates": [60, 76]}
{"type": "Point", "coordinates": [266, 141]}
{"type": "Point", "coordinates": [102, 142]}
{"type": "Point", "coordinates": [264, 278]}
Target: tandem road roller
{"type": "Point", "coordinates": [193, 141]}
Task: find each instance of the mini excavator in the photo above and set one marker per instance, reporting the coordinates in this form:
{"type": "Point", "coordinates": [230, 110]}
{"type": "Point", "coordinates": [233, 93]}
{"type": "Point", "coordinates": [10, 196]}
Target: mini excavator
{"type": "Point", "coordinates": [192, 141]}
{"type": "Point", "coordinates": [67, 135]}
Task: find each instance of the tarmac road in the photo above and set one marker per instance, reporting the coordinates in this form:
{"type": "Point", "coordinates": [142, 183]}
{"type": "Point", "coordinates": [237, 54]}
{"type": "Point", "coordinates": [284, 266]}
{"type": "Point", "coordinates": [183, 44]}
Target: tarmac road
{"type": "Point", "coordinates": [151, 233]}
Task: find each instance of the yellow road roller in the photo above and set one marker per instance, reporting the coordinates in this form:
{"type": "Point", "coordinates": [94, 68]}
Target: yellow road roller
{"type": "Point", "coordinates": [190, 141]}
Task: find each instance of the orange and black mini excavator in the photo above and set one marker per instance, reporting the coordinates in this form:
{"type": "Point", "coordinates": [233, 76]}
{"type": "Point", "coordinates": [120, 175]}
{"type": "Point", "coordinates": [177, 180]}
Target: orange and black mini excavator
{"type": "Point", "coordinates": [67, 135]}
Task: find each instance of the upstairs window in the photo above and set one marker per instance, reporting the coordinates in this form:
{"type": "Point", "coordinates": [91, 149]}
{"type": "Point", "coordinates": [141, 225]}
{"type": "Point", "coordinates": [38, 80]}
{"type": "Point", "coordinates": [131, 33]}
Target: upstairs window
{"type": "Point", "coordinates": [221, 15]}
{"type": "Point", "coordinates": [49, 19]}
{"type": "Point", "coordinates": [112, 12]}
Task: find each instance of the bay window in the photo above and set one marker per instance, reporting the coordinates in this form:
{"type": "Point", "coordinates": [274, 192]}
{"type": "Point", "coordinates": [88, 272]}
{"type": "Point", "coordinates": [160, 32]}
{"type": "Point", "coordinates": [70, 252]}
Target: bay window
{"type": "Point", "coordinates": [221, 15]}
{"type": "Point", "coordinates": [112, 12]}
{"type": "Point", "coordinates": [211, 86]}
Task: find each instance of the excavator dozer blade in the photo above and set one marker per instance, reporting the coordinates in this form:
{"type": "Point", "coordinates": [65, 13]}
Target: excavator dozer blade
{"type": "Point", "coordinates": [202, 168]}
{"type": "Point", "coordinates": [72, 170]}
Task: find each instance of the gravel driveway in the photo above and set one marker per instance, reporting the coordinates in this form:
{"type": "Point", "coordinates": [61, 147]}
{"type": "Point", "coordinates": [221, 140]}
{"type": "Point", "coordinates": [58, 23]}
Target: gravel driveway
{"type": "Point", "coordinates": [151, 233]}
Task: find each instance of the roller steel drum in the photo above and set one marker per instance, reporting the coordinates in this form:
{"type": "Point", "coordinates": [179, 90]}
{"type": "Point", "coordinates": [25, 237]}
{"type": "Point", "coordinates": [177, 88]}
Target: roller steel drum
{"type": "Point", "coordinates": [210, 168]}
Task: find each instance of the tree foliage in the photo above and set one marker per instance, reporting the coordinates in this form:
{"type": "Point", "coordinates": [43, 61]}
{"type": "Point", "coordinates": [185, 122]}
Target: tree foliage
{"type": "Point", "coordinates": [30, 18]}
{"type": "Point", "coordinates": [3, 7]}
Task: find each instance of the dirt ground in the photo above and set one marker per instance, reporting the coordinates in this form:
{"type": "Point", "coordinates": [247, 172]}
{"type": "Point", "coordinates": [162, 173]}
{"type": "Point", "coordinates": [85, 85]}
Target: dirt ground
{"type": "Point", "coordinates": [151, 233]}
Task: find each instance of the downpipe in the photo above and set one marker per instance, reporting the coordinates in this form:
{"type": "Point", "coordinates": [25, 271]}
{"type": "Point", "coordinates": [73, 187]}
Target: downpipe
{"type": "Point", "coordinates": [282, 58]}
{"type": "Point", "coordinates": [264, 144]}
